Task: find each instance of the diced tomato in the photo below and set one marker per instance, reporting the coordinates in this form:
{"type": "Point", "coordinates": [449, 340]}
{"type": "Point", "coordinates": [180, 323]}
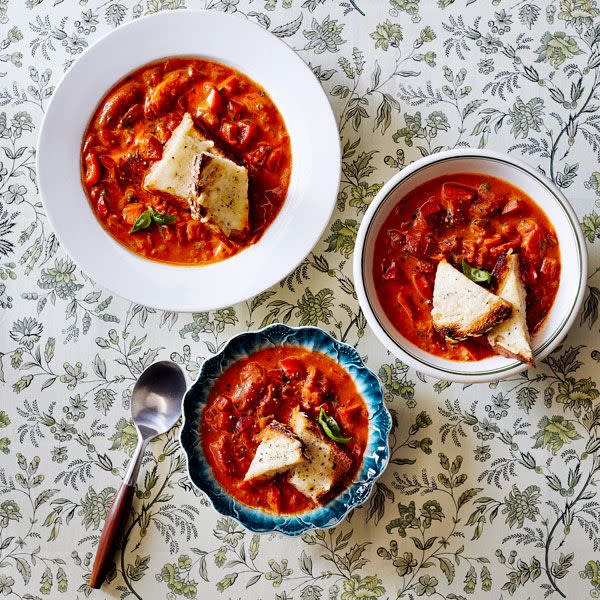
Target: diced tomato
{"type": "Point", "coordinates": [101, 205]}
{"type": "Point", "coordinates": [492, 240]}
{"type": "Point", "coordinates": [419, 244]}
{"type": "Point", "coordinates": [508, 230]}
{"type": "Point", "coordinates": [449, 245]}
{"type": "Point", "coordinates": [130, 168]}
{"type": "Point", "coordinates": [430, 211]}
{"type": "Point", "coordinates": [481, 257]}
{"type": "Point", "coordinates": [500, 249]}
{"type": "Point", "coordinates": [214, 101]}
{"type": "Point", "coordinates": [274, 160]}
{"type": "Point", "coordinates": [250, 388]}
{"type": "Point", "coordinates": [229, 132]}
{"type": "Point", "coordinates": [512, 206]}
{"type": "Point", "coordinates": [268, 405]}
{"type": "Point", "coordinates": [234, 109]}
{"type": "Point", "coordinates": [549, 268]}
{"type": "Point", "coordinates": [108, 162]}
{"type": "Point", "coordinates": [246, 132]}
{"type": "Point", "coordinates": [222, 452]}
{"type": "Point", "coordinates": [531, 241]}
{"type": "Point", "coordinates": [531, 275]}
{"type": "Point", "coordinates": [396, 238]}
{"type": "Point", "coordinates": [165, 126]}
{"type": "Point", "coordinates": [259, 155]}
{"type": "Point", "coordinates": [180, 232]}
{"type": "Point", "coordinates": [209, 119]}
{"type": "Point", "coordinates": [424, 266]}
{"type": "Point", "coordinates": [131, 212]}
{"type": "Point", "coordinates": [245, 423]}
{"type": "Point", "coordinates": [231, 84]}
{"type": "Point", "coordinates": [224, 404]}
{"type": "Point", "coordinates": [275, 375]}
{"type": "Point", "coordinates": [211, 105]}
{"type": "Point", "coordinates": [429, 245]}
{"type": "Point", "coordinates": [349, 415]}
{"type": "Point", "coordinates": [315, 388]}
{"type": "Point", "coordinates": [225, 421]}
{"type": "Point", "coordinates": [390, 270]}
{"type": "Point", "coordinates": [487, 207]}
{"type": "Point", "coordinates": [453, 193]}
{"type": "Point", "coordinates": [150, 148]}
{"type": "Point", "coordinates": [92, 169]}
{"type": "Point", "coordinates": [457, 198]}
{"type": "Point", "coordinates": [293, 367]}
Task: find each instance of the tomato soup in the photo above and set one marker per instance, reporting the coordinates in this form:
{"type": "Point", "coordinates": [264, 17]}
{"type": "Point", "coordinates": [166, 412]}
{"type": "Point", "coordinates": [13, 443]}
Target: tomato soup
{"type": "Point", "coordinates": [129, 129]}
{"type": "Point", "coordinates": [269, 385]}
{"type": "Point", "coordinates": [475, 219]}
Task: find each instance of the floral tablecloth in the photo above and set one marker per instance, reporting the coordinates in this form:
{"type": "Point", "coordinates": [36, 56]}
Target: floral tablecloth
{"type": "Point", "coordinates": [492, 490]}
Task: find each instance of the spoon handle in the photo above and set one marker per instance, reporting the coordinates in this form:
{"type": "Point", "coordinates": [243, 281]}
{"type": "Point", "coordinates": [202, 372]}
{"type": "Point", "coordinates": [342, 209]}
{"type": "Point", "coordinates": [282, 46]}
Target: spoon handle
{"type": "Point", "coordinates": [116, 519]}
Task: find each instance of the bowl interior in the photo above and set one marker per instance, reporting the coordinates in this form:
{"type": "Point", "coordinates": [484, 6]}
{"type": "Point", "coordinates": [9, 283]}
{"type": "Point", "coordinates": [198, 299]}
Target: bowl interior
{"type": "Point", "coordinates": [376, 452]}
{"type": "Point", "coordinates": [571, 253]}
{"type": "Point", "coordinates": [315, 169]}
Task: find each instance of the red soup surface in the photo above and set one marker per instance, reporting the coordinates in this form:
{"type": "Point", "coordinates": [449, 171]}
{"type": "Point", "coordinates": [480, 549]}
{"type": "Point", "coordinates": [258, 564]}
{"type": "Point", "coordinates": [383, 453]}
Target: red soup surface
{"type": "Point", "coordinates": [135, 119]}
{"type": "Point", "coordinates": [268, 385]}
{"type": "Point", "coordinates": [465, 216]}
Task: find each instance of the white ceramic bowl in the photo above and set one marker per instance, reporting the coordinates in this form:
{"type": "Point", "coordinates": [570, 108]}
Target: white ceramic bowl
{"type": "Point", "coordinates": [548, 197]}
{"type": "Point", "coordinates": [241, 44]}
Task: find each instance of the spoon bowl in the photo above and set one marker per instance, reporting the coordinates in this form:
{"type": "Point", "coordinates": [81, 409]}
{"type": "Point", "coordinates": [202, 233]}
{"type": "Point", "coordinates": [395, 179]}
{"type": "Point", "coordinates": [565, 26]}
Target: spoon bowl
{"type": "Point", "coordinates": [156, 399]}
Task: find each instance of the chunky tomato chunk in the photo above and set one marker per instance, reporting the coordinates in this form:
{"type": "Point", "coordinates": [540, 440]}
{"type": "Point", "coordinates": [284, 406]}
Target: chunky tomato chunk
{"type": "Point", "coordinates": [250, 388]}
{"type": "Point", "coordinates": [391, 269]}
{"type": "Point", "coordinates": [229, 132]}
{"type": "Point", "coordinates": [457, 198]}
{"type": "Point", "coordinates": [92, 169]}
{"type": "Point", "coordinates": [231, 84]}
{"type": "Point", "coordinates": [430, 211]}
{"type": "Point", "coordinates": [512, 206]}
{"type": "Point", "coordinates": [293, 367]}
{"type": "Point", "coordinates": [214, 102]}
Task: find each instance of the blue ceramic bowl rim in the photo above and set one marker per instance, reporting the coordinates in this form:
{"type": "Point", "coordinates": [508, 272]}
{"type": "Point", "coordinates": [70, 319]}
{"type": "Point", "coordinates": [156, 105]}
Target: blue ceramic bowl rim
{"type": "Point", "coordinates": [376, 454]}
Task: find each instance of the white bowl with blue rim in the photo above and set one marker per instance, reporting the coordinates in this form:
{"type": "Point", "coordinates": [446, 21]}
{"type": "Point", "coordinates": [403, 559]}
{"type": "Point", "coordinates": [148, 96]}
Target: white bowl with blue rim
{"type": "Point", "coordinates": [550, 199]}
{"type": "Point", "coordinates": [375, 458]}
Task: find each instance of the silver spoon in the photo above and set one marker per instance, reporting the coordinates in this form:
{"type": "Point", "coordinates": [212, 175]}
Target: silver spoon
{"type": "Point", "coordinates": [155, 408]}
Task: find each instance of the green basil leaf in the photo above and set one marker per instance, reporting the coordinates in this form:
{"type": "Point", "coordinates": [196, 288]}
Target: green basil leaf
{"type": "Point", "coordinates": [162, 218]}
{"type": "Point", "coordinates": [331, 428]}
{"type": "Point", "coordinates": [475, 274]}
{"type": "Point", "coordinates": [142, 222]}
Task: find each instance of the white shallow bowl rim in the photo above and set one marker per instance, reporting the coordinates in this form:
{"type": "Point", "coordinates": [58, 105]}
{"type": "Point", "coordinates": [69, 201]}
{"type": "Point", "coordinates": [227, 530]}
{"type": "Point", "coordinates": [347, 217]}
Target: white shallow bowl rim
{"type": "Point", "coordinates": [324, 176]}
{"type": "Point", "coordinates": [451, 371]}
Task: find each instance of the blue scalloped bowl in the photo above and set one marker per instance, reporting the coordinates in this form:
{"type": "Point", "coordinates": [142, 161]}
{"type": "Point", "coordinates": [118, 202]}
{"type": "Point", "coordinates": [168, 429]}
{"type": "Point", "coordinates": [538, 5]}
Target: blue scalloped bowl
{"type": "Point", "coordinates": [376, 454]}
